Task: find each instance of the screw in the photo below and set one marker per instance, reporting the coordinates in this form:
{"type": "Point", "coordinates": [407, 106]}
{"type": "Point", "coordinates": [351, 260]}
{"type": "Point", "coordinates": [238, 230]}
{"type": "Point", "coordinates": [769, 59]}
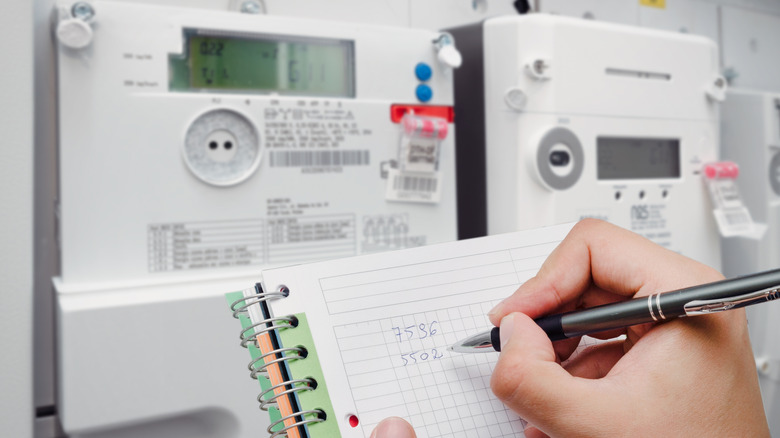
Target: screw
{"type": "Point", "coordinates": [82, 10]}
{"type": "Point", "coordinates": [252, 7]}
{"type": "Point", "coordinates": [444, 39]}
{"type": "Point", "coordinates": [539, 66]}
{"type": "Point", "coordinates": [720, 82]}
{"type": "Point", "coordinates": [730, 73]}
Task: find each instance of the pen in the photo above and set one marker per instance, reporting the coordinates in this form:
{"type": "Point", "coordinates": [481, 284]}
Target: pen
{"type": "Point", "coordinates": [697, 300]}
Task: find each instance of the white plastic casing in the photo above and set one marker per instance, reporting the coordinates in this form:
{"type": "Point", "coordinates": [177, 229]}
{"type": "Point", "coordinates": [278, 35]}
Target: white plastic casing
{"type": "Point", "coordinates": [750, 136]}
{"type": "Point", "coordinates": [600, 80]}
{"type": "Point", "coordinates": [147, 346]}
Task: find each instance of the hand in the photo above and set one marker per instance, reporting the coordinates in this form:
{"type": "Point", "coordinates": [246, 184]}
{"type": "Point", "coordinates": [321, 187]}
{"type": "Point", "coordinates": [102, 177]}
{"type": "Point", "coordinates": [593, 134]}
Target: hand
{"type": "Point", "coordinates": [393, 427]}
{"type": "Point", "coordinates": [686, 377]}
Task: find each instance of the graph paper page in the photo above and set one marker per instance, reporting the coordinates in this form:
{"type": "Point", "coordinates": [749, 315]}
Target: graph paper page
{"type": "Point", "coordinates": [382, 323]}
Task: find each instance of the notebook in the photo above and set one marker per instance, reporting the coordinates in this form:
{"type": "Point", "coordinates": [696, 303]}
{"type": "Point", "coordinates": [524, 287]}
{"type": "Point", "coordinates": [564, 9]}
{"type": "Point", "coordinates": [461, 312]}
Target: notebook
{"type": "Point", "coordinates": [339, 345]}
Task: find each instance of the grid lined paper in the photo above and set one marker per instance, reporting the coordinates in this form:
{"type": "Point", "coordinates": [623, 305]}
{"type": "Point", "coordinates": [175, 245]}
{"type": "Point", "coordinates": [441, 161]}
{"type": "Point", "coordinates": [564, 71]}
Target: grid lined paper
{"type": "Point", "coordinates": [386, 322]}
{"type": "Point", "coordinates": [401, 366]}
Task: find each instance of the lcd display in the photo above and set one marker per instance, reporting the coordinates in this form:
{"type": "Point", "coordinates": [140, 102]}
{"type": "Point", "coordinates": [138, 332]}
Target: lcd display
{"type": "Point", "coordinates": [297, 66]}
{"type": "Point", "coordinates": [637, 158]}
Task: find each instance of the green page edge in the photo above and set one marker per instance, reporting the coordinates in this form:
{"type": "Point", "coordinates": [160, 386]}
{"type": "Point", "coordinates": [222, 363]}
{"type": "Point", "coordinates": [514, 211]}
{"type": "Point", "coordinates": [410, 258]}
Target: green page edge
{"type": "Point", "coordinates": [254, 352]}
{"type": "Point", "coordinates": [310, 367]}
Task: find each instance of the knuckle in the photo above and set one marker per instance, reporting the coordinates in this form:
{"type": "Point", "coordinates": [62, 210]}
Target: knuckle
{"type": "Point", "coordinates": [506, 381]}
{"type": "Point", "coordinates": [589, 225]}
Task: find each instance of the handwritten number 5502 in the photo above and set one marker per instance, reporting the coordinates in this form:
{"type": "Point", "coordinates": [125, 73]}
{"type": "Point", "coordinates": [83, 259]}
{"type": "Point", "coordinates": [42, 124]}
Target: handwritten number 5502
{"type": "Point", "coordinates": [413, 358]}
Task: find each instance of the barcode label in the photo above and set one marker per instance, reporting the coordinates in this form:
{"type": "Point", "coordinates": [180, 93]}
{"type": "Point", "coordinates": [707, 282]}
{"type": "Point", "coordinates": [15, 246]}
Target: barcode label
{"type": "Point", "coordinates": [738, 217]}
{"type": "Point", "coordinates": [319, 158]}
{"type": "Point", "coordinates": [735, 222]}
{"type": "Point", "coordinates": [731, 215]}
{"type": "Point", "coordinates": [413, 187]}
{"type": "Point", "coordinates": [413, 183]}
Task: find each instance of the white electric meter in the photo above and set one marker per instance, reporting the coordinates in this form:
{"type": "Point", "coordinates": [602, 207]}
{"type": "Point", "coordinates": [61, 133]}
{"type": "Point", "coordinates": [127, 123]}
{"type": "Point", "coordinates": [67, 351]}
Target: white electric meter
{"type": "Point", "coordinates": [572, 118]}
{"type": "Point", "coordinates": [197, 147]}
{"type": "Point", "coordinates": [750, 137]}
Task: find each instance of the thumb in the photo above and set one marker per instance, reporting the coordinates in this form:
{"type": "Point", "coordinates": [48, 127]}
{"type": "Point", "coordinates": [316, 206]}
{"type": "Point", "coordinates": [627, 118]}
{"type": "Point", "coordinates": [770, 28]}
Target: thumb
{"type": "Point", "coordinates": [393, 427]}
{"type": "Point", "coordinates": [529, 380]}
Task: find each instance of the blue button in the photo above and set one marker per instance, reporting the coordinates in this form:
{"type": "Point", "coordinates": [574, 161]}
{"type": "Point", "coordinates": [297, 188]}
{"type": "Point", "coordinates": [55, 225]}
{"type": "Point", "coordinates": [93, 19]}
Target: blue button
{"type": "Point", "coordinates": [424, 93]}
{"type": "Point", "coordinates": [423, 71]}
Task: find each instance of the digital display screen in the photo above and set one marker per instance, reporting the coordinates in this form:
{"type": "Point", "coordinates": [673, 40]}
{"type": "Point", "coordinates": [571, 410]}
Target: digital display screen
{"type": "Point", "coordinates": [637, 158]}
{"type": "Point", "coordinates": [284, 65]}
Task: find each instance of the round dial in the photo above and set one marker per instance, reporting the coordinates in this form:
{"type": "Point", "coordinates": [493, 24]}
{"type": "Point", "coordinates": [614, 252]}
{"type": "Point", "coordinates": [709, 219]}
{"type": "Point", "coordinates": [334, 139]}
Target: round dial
{"type": "Point", "coordinates": [222, 147]}
{"type": "Point", "coordinates": [559, 159]}
{"type": "Point", "coordinates": [774, 173]}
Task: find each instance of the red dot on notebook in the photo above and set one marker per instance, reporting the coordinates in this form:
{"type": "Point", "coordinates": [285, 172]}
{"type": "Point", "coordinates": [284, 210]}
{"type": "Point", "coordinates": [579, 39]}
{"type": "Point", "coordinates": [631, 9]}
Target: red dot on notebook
{"type": "Point", "coordinates": [353, 420]}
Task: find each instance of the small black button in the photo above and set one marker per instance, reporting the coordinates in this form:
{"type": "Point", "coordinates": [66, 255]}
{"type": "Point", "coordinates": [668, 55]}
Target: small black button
{"type": "Point", "coordinates": [559, 158]}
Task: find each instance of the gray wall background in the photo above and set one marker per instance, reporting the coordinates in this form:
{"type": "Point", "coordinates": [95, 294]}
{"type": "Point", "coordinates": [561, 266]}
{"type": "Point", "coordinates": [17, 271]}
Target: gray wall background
{"type": "Point", "coordinates": [16, 230]}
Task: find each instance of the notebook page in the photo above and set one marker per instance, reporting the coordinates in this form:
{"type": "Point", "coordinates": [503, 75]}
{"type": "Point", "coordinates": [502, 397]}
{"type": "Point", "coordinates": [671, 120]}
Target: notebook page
{"type": "Point", "coordinates": [382, 324]}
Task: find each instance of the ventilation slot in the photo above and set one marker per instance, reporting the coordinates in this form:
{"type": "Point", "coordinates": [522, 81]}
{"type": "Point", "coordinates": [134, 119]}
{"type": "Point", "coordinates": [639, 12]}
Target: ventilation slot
{"type": "Point", "coordinates": [639, 74]}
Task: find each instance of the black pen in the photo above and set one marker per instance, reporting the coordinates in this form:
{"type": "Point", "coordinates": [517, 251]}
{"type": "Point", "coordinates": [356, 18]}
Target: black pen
{"type": "Point", "coordinates": [697, 300]}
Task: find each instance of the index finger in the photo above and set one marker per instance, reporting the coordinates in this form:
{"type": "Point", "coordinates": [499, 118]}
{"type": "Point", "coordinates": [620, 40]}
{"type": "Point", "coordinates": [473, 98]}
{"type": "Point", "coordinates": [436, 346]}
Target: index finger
{"type": "Point", "coordinates": [595, 257]}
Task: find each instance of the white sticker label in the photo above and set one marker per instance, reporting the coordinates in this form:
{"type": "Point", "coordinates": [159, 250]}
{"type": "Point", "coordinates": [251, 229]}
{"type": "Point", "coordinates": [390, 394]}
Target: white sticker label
{"type": "Point", "coordinates": [732, 217]}
{"type": "Point", "coordinates": [413, 187]}
{"type": "Point", "coordinates": [726, 193]}
{"type": "Point", "coordinates": [420, 154]}
{"type": "Point", "coordinates": [734, 221]}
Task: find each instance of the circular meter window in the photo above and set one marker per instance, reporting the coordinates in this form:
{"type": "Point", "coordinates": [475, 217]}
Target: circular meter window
{"type": "Point", "coordinates": [222, 147]}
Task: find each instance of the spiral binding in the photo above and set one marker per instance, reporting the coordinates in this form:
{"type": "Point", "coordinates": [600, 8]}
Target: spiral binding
{"type": "Point", "coordinates": [320, 417]}
{"type": "Point", "coordinates": [255, 370]}
{"type": "Point", "coordinates": [251, 338]}
{"type": "Point", "coordinates": [255, 299]}
{"type": "Point", "coordinates": [258, 366]}
{"type": "Point", "coordinates": [266, 403]}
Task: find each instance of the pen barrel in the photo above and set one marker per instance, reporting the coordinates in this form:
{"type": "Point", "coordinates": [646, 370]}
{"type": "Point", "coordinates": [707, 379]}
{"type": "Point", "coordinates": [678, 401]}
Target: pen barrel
{"type": "Point", "coordinates": [672, 304]}
{"type": "Point", "coordinates": [658, 307]}
{"type": "Point", "coordinates": [603, 318]}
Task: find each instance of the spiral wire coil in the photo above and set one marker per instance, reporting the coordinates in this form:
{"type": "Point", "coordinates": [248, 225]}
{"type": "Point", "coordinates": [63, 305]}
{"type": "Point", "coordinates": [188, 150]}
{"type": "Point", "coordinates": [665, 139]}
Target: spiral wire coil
{"type": "Point", "coordinates": [249, 335]}
{"type": "Point", "coordinates": [309, 383]}
{"type": "Point", "coordinates": [283, 432]}
{"type": "Point", "coordinates": [255, 369]}
{"type": "Point", "coordinates": [259, 366]}
{"type": "Point", "coordinates": [246, 302]}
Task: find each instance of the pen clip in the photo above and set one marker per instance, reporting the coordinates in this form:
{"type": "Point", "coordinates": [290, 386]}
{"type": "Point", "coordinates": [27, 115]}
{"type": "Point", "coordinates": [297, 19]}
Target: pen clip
{"type": "Point", "coordinates": [704, 307]}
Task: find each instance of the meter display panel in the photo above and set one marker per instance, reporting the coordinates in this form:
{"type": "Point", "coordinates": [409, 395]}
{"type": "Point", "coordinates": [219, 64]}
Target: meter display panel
{"type": "Point", "coordinates": [264, 65]}
{"type": "Point", "coordinates": [637, 158]}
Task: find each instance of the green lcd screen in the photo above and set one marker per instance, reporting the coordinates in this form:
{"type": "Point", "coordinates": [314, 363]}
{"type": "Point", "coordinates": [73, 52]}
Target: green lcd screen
{"type": "Point", "coordinates": [296, 66]}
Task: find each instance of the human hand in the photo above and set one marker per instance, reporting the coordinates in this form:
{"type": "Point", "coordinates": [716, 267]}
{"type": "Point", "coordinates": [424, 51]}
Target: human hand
{"type": "Point", "coordinates": [393, 427]}
{"type": "Point", "coordinates": [683, 377]}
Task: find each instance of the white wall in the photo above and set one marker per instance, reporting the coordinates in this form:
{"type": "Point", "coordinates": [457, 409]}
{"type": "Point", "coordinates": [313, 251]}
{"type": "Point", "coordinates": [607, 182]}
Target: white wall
{"type": "Point", "coordinates": [16, 232]}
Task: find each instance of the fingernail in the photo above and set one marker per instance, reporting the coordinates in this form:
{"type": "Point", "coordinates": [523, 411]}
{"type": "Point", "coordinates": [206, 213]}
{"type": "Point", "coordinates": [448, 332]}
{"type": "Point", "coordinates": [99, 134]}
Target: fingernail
{"type": "Point", "coordinates": [496, 310]}
{"type": "Point", "coordinates": [393, 427]}
{"type": "Point", "coordinates": [505, 329]}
